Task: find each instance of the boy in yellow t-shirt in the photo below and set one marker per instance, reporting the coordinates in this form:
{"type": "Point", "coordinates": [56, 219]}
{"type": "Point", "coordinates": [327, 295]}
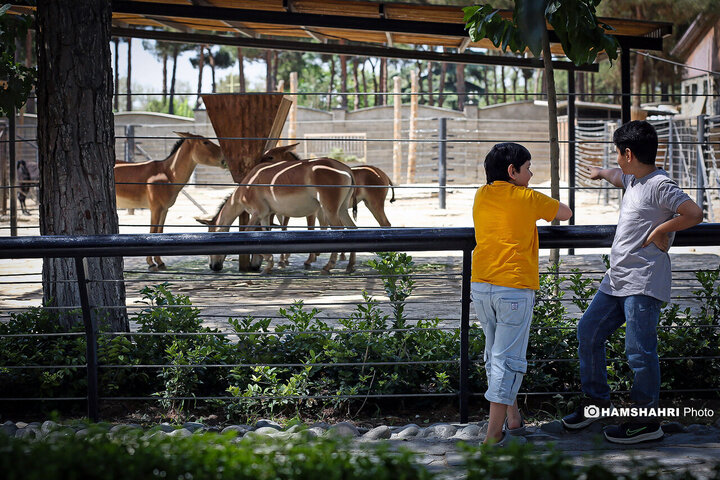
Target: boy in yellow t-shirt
{"type": "Point", "coordinates": [505, 277]}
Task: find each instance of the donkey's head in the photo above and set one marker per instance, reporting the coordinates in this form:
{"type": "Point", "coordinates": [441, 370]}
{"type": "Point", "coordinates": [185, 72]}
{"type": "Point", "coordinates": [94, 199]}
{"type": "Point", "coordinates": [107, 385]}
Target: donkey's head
{"type": "Point", "coordinates": [204, 151]}
{"type": "Point", "coordinates": [280, 154]}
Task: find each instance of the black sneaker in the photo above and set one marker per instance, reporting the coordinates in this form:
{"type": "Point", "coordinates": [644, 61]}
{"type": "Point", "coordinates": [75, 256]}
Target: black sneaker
{"type": "Point", "coordinates": [577, 420]}
{"type": "Point", "coordinates": [633, 432]}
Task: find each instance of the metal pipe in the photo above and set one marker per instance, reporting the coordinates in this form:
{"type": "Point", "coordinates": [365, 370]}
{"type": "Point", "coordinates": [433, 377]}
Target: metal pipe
{"type": "Point", "coordinates": [90, 339]}
{"type": "Point", "coordinates": [442, 162]}
{"type": "Point", "coordinates": [464, 392]}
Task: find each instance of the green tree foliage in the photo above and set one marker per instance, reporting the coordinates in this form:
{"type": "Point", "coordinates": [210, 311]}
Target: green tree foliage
{"type": "Point", "coordinates": [16, 80]}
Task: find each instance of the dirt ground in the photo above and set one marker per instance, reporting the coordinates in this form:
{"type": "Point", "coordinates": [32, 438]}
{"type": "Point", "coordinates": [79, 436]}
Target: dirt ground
{"type": "Point", "coordinates": [230, 293]}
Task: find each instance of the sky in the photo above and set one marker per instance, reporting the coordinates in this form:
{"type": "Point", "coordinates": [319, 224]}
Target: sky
{"type": "Point", "coordinates": [147, 71]}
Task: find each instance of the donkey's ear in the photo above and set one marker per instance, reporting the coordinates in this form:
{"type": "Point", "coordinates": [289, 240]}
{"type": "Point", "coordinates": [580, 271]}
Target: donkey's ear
{"type": "Point", "coordinates": [204, 220]}
{"type": "Point", "coordinates": [184, 134]}
{"type": "Point", "coordinates": [290, 147]}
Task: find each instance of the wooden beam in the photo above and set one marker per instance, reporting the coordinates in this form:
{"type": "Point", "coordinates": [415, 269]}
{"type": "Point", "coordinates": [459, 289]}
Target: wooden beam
{"type": "Point", "coordinates": [389, 37]}
{"type": "Point", "coordinates": [463, 45]}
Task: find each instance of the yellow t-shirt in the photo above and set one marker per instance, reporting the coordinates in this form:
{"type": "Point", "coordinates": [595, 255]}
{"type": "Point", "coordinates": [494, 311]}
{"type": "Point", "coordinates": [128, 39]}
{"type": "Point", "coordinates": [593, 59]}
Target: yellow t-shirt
{"type": "Point", "coordinates": [504, 216]}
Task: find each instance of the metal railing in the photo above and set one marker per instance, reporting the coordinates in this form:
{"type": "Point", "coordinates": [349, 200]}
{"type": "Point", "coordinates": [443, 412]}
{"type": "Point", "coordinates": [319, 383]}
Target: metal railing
{"type": "Point", "coordinates": [402, 240]}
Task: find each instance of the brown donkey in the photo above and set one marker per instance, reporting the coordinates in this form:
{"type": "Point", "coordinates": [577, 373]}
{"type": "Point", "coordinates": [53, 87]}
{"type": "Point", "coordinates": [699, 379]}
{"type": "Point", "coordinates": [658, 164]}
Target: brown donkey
{"type": "Point", "coordinates": [320, 187]}
{"type": "Point", "coordinates": [157, 183]}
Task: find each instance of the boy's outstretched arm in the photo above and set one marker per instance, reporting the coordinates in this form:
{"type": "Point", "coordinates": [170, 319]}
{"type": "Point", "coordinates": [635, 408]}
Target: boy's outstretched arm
{"type": "Point", "coordinates": [689, 214]}
{"type": "Point", "coordinates": [612, 175]}
{"type": "Point", "coordinates": [564, 213]}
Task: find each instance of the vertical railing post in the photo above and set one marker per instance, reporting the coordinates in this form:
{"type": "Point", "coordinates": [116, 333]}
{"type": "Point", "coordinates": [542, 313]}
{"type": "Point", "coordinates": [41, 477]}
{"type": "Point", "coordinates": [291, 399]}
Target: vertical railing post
{"type": "Point", "coordinates": [129, 143]}
{"type": "Point", "coordinates": [571, 148]}
{"type": "Point", "coordinates": [90, 339]}
{"type": "Point", "coordinates": [465, 336]}
{"type": "Point", "coordinates": [442, 161]}
{"type": "Point", "coordinates": [671, 150]}
{"type": "Point", "coordinates": [700, 164]}
{"type": "Point", "coordinates": [13, 173]}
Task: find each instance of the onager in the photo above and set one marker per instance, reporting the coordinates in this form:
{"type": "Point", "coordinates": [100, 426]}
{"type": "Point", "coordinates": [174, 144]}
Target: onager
{"type": "Point", "coordinates": [157, 183]}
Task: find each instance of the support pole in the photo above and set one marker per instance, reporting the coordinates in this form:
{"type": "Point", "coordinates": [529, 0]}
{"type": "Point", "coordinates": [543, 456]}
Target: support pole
{"type": "Point", "coordinates": [442, 162]}
{"type": "Point", "coordinates": [13, 173]}
{"type": "Point", "coordinates": [129, 143]}
{"type": "Point", "coordinates": [571, 148]}
{"type": "Point", "coordinates": [465, 336]}
{"type": "Point", "coordinates": [412, 135]}
{"type": "Point", "coordinates": [625, 85]}
{"type": "Point", "coordinates": [91, 354]}
{"type": "Point", "coordinates": [397, 132]}
{"type": "Point", "coordinates": [700, 164]}
{"type": "Point", "coordinates": [292, 127]}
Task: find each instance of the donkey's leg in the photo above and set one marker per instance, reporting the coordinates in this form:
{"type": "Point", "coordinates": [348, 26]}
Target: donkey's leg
{"type": "Point", "coordinates": [312, 256]}
{"type": "Point", "coordinates": [347, 222]}
{"type": "Point", "coordinates": [377, 208]}
{"type": "Point", "coordinates": [154, 220]}
{"type": "Point", "coordinates": [158, 261]}
{"type": "Point", "coordinates": [284, 257]}
{"type": "Point", "coordinates": [324, 219]}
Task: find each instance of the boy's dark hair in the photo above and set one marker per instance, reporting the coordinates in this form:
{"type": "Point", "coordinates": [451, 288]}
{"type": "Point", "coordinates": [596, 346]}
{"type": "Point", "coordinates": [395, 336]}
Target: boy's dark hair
{"type": "Point", "coordinates": [500, 157]}
{"type": "Point", "coordinates": [640, 137]}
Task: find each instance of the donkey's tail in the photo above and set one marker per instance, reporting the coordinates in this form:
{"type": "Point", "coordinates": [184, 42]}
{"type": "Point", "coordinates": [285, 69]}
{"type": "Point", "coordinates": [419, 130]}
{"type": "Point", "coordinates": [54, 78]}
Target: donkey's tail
{"type": "Point", "coordinates": [392, 187]}
{"type": "Point", "coordinates": [354, 199]}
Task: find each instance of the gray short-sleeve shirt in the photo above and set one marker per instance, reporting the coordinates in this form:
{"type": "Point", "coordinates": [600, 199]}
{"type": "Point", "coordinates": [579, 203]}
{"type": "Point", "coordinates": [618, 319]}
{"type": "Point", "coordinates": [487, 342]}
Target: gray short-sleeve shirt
{"type": "Point", "coordinates": [636, 270]}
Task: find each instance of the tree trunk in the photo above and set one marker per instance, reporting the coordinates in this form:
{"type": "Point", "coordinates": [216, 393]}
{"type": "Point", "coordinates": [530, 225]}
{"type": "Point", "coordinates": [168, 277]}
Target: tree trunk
{"type": "Point", "coordinates": [638, 71]}
{"type": "Point", "coordinates": [75, 145]}
{"type": "Point", "coordinates": [171, 104]}
{"type": "Point", "coordinates": [460, 85]}
{"type": "Point", "coordinates": [431, 97]}
{"type": "Point", "coordinates": [164, 87]}
{"type": "Point", "coordinates": [441, 95]}
{"type": "Point", "coordinates": [332, 81]}
{"type": "Point", "coordinates": [357, 84]}
{"type": "Point", "coordinates": [375, 82]}
{"type": "Point", "coordinates": [502, 82]}
{"type": "Point", "coordinates": [268, 71]}
{"type": "Point", "coordinates": [365, 98]}
{"type": "Point", "coordinates": [383, 81]}
{"type": "Point", "coordinates": [212, 70]}
{"type": "Point", "coordinates": [343, 82]}
{"type": "Point", "coordinates": [553, 132]}
{"type": "Point", "coordinates": [128, 89]}
{"type": "Point", "coordinates": [485, 84]}
{"type": "Point", "coordinates": [241, 69]}
{"type": "Point", "coordinates": [275, 71]}
{"type": "Point", "coordinates": [201, 67]}
{"type": "Point", "coordinates": [116, 97]}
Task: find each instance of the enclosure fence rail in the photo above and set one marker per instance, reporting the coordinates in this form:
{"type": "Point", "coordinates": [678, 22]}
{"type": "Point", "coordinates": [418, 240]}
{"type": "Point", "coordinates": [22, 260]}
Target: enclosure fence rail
{"type": "Point", "coordinates": [401, 240]}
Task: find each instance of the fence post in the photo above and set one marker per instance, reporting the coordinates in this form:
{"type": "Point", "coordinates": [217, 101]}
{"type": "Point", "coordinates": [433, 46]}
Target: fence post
{"type": "Point", "coordinates": [571, 149]}
{"type": "Point", "coordinates": [442, 161]}
{"type": "Point", "coordinates": [90, 339]}
{"type": "Point", "coordinates": [700, 164]}
{"type": "Point", "coordinates": [465, 336]}
{"type": "Point", "coordinates": [671, 148]}
{"type": "Point", "coordinates": [129, 143]}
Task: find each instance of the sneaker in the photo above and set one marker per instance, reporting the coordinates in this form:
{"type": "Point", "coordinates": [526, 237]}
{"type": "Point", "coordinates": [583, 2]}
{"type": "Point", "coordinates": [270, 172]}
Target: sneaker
{"type": "Point", "coordinates": [515, 431]}
{"type": "Point", "coordinates": [577, 420]}
{"type": "Point", "coordinates": [633, 432]}
{"type": "Point", "coordinates": [508, 439]}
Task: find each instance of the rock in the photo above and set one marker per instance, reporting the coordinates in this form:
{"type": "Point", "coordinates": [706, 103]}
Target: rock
{"type": "Point", "coordinates": [268, 431]}
{"type": "Point", "coordinates": [240, 430]}
{"type": "Point", "coordinates": [48, 426]}
{"type": "Point", "coordinates": [315, 432]}
{"type": "Point", "coordinates": [82, 433]}
{"type": "Point", "coordinates": [698, 429]}
{"type": "Point", "coordinates": [296, 428]}
{"type": "Point", "coordinates": [159, 434]}
{"type": "Point", "coordinates": [193, 426]}
{"type": "Point", "coordinates": [469, 432]}
{"type": "Point", "coordinates": [555, 427]}
{"type": "Point", "coordinates": [8, 428]}
{"type": "Point", "coordinates": [60, 434]}
{"type": "Point", "coordinates": [125, 427]}
{"type": "Point", "coordinates": [324, 426]}
{"type": "Point", "coordinates": [408, 431]}
{"type": "Point", "coordinates": [440, 430]}
{"type": "Point", "coordinates": [674, 427]}
{"type": "Point", "coordinates": [268, 423]}
{"type": "Point", "coordinates": [21, 424]}
{"type": "Point", "coordinates": [164, 427]}
{"type": "Point", "coordinates": [180, 433]}
{"type": "Point", "coordinates": [378, 433]}
{"type": "Point", "coordinates": [343, 429]}
{"type": "Point", "coordinates": [27, 433]}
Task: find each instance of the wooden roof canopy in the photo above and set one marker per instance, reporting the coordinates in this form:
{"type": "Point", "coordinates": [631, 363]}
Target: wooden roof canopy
{"type": "Point", "coordinates": [351, 27]}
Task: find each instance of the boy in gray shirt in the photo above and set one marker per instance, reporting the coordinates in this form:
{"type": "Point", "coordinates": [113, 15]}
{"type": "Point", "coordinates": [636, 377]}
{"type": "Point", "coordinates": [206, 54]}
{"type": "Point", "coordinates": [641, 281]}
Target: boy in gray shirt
{"type": "Point", "coordinates": [637, 283]}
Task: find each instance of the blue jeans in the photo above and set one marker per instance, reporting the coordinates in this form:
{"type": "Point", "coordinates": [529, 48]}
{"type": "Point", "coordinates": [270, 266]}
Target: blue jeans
{"type": "Point", "coordinates": [504, 314]}
{"type": "Point", "coordinates": [606, 314]}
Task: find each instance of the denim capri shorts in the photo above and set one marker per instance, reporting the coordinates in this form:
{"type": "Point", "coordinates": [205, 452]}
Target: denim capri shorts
{"type": "Point", "coordinates": [505, 314]}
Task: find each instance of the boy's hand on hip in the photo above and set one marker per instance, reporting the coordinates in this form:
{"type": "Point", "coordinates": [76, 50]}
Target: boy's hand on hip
{"type": "Point", "coordinates": [660, 239]}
